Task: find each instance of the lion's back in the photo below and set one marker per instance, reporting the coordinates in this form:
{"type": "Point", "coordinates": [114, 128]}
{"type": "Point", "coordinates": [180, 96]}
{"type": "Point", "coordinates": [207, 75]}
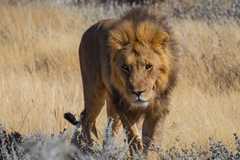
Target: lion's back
{"type": "Point", "coordinates": [92, 50]}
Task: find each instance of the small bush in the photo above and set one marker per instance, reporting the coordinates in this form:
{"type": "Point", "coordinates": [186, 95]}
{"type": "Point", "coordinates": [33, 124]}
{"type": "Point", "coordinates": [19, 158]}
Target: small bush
{"type": "Point", "coordinates": [13, 146]}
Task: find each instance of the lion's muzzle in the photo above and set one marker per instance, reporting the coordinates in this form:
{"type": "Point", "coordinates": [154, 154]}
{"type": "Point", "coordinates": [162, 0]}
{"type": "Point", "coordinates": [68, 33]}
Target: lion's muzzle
{"type": "Point", "coordinates": [138, 99]}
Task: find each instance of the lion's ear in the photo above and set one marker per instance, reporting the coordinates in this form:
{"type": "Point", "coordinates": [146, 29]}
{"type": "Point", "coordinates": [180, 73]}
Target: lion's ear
{"type": "Point", "coordinates": [115, 40]}
{"type": "Point", "coordinates": [122, 35]}
{"type": "Point", "coordinates": [160, 39]}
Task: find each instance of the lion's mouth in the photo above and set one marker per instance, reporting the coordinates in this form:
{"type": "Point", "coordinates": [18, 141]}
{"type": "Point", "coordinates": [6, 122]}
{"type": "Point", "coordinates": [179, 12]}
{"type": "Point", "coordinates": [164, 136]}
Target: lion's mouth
{"type": "Point", "coordinates": [139, 100]}
{"type": "Point", "coordinates": [140, 103]}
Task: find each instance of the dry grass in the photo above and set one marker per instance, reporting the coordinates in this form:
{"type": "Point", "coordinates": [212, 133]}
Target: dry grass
{"type": "Point", "coordinates": [39, 66]}
{"type": "Point", "coordinates": [206, 100]}
{"type": "Point", "coordinates": [40, 80]}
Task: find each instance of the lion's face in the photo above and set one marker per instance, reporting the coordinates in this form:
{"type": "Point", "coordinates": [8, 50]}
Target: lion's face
{"type": "Point", "coordinates": [141, 61]}
{"type": "Point", "coordinates": [136, 70]}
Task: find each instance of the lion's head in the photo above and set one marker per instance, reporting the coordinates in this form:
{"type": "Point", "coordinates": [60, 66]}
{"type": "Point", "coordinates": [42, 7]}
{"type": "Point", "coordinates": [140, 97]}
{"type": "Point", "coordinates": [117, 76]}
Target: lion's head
{"type": "Point", "coordinates": [141, 58]}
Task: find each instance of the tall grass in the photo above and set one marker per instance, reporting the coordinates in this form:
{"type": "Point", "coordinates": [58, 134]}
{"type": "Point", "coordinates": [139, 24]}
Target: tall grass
{"type": "Point", "coordinates": [39, 66]}
{"type": "Point", "coordinates": [40, 78]}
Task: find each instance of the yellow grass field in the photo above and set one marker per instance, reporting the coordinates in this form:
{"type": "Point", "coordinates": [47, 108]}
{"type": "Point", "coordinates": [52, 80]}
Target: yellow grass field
{"type": "Point", "coordinates": [40, 78]}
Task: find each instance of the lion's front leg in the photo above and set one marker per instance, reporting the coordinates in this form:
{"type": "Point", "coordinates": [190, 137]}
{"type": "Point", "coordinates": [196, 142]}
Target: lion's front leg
{"type": "Point", "coordinates": [132, 131]}
{"type": "Point", "coordinates": [152, 133]}
{"type": "Point", "coordinates": [134, 139]}
{"type": "Point", "coordinates": [133, 135]}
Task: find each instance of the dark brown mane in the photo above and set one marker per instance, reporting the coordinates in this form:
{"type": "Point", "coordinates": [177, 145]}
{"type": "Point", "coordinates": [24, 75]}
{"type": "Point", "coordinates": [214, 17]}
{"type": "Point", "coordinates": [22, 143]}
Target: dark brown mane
{"type": "Point", "coordinates": [124, 30]}
{"type": "Point", "coordinates": [144, 26]}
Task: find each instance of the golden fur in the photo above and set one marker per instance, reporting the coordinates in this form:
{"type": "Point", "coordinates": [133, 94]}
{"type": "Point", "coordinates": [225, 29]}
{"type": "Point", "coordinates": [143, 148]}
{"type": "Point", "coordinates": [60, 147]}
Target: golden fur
{"type": "Point", "coordinates": [131, 63]}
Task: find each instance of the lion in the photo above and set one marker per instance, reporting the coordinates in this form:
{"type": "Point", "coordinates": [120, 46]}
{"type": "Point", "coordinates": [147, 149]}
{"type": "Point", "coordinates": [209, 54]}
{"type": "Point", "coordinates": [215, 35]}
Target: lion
{"type": "Point", "coordinates": [131, 63]}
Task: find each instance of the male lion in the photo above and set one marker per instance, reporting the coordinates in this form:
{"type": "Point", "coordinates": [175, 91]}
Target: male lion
{"type": "Point", "coordinates": [129, 62]}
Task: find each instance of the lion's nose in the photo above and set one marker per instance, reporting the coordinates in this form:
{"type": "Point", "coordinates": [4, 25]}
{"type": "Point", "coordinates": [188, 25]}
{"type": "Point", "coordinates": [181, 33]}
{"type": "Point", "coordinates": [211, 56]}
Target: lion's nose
{"type": "Point", "coordinates": [138, 93]}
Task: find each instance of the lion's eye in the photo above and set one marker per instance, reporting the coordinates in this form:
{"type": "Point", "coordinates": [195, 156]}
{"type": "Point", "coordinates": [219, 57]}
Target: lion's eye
{"type": "Point", "coordinates": [148, 66]}
{"type": "Point", "coordinates": [125, 68]}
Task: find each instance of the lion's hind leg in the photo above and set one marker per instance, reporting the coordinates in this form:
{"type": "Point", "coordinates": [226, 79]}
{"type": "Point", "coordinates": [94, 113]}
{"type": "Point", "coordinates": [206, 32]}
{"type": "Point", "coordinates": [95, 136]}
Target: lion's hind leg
{"type": "Point", "coordinates": [94, 102]}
